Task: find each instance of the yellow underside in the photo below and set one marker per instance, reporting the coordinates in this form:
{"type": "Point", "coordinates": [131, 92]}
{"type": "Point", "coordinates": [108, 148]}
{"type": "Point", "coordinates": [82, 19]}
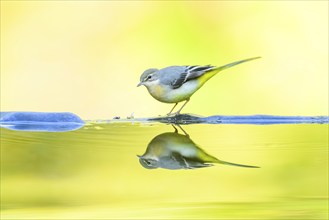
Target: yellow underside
{"type": "Point", "coordinates": [168, 95]}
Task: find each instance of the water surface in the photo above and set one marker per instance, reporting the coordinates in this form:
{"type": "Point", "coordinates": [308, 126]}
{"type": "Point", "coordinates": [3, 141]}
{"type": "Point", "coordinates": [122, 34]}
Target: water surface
{"type": "Point", "coordinates": [94, 173]}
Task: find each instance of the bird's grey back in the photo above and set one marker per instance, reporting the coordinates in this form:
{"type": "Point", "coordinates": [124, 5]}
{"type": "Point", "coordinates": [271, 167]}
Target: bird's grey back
{"type": "Point", "coordinates": [170, 74]}
{"type": "Point", "coordinates": [176, 76]}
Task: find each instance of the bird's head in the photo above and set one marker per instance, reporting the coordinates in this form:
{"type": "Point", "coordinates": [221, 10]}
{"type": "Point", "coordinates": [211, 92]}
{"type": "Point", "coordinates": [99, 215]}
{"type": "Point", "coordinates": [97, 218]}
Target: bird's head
{"type": "Point", "coordinates": [148, 76]}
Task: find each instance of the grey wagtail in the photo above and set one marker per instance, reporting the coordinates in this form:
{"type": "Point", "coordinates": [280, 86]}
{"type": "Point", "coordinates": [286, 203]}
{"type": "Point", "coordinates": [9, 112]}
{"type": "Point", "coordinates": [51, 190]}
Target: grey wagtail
{"type": "Point", "coordinates": [174, 151]}
{"type": "Point", "coordinates": [175, 84]}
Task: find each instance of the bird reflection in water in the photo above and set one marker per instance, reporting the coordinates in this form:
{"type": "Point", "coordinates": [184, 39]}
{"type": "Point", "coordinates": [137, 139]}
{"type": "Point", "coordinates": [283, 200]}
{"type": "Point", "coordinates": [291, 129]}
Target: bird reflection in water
{"type": "Point", "coordinates": [174, 151]}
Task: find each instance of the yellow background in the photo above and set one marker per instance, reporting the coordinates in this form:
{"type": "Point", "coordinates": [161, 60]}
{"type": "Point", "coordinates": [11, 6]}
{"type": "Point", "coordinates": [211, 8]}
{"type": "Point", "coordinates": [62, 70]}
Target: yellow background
{"type": "Point", "coordinates": [86, 56]}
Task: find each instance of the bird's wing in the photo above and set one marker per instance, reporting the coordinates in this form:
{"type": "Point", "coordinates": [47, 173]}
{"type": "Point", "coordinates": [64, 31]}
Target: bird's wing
{"type": "Point", "coordinates": [191, 72]}
{"type": "Point", "coordinates": [176, 76]}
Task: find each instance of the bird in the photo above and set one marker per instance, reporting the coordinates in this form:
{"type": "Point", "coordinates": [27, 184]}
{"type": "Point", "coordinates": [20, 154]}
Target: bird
{"type": "Point", "coordinates": [175, 84]}
{"type": "Point", "coordinates": [173, 151]}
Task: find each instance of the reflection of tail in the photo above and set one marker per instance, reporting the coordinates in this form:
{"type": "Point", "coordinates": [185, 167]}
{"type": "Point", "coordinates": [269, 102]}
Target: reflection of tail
{"type": "Point", "coordinates": [211, 159]}
{"type": "Point", "coordinates": [235, 164]}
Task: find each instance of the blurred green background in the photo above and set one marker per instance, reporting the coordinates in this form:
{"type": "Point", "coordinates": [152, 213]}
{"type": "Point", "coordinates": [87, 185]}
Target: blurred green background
{"type": "Point", "coordinates": [86, 56]}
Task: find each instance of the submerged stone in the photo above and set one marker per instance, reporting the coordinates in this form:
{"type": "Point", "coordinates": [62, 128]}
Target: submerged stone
{"type": "Point", "coordinates": [41, 121]}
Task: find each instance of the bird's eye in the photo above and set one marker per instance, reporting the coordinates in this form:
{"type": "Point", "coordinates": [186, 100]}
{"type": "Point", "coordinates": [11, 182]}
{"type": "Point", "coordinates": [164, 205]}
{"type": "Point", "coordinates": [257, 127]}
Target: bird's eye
{"type": "Point", "coordinates": [147, 162]}
{"type": "Point", "coordinates": [148, 77]}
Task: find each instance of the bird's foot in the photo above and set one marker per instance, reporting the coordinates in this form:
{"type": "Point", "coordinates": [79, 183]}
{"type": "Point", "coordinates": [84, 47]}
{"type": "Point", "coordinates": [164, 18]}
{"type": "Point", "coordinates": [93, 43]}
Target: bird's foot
{"type": "Point", "coordinates": [173, 114]}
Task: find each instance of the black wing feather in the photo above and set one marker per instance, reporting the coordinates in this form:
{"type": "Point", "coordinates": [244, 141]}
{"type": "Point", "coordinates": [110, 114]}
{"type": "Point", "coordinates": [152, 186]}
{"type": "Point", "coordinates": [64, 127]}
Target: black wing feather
{"type": "Point", "coordinates": [191, 72]}
{"type": "Point", "coordinates": [180, 81]}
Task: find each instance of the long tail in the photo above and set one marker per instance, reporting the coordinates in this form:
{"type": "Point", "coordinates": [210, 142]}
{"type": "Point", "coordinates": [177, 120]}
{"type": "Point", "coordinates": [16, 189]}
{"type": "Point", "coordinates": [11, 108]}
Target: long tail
{"type": "Point", "coordinates": [220, 68]}
{"type": "Point", "coordinates": [205, 77]}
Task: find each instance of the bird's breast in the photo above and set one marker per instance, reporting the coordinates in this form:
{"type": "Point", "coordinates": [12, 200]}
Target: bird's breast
{"type": "Point", "coordinates": [165, 93]}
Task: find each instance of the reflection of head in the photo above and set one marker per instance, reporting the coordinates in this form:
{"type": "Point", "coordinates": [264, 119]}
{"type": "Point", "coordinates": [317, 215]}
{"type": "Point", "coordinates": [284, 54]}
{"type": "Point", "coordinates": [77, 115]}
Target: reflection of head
{"type": "Point", "coordinates": [148, 163]}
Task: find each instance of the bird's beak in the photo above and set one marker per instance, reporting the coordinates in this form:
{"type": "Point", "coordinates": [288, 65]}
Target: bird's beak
{"type": "Point", "coordinates": [139, 84]}
{"type": "Point", "coordinates": [138, 156]}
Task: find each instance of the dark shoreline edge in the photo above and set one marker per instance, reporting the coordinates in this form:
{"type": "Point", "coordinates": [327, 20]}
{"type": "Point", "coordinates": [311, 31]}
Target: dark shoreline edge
{"type": "Point", "coordinates": [247, 119]}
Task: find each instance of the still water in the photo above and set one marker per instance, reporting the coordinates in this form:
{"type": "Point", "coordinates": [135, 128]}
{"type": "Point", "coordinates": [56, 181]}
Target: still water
{"type": "Point", "coordinates": [137, 170]}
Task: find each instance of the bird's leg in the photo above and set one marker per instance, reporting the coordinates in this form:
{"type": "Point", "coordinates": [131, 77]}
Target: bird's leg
{"type": "Point", "coordinates": [172, 109]}
{"type": "Point", "coordinates": [178, 112]}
